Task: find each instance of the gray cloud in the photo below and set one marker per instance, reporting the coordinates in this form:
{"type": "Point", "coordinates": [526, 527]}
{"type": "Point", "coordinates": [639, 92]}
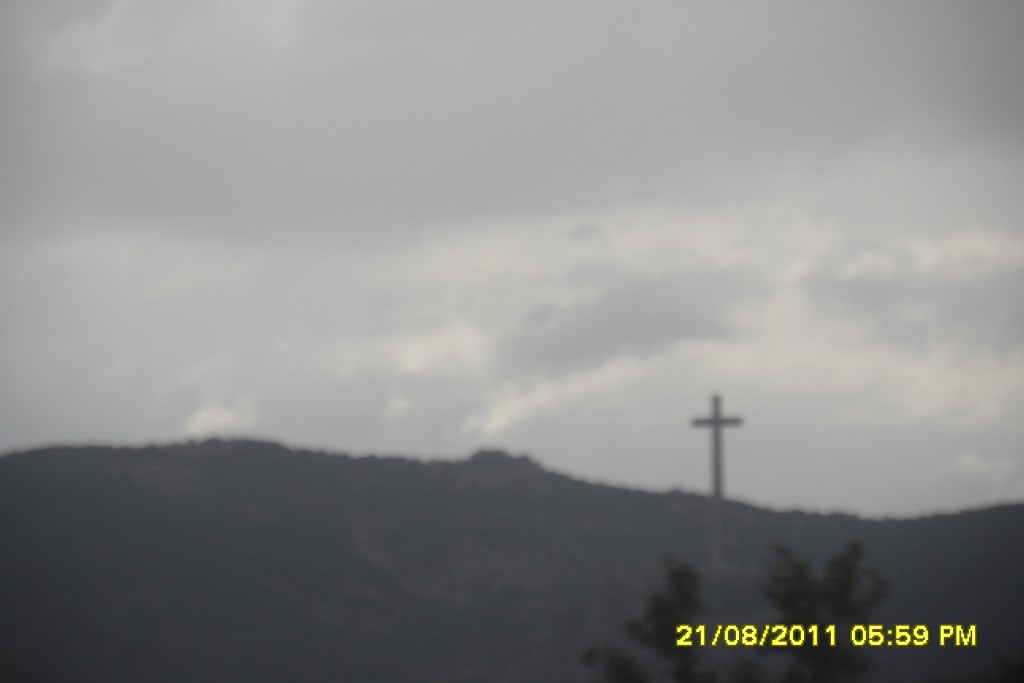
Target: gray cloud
{"type": "Point", "coordinates": [976, 308]}
{"type": "Point", "coordinates": [631, 317]}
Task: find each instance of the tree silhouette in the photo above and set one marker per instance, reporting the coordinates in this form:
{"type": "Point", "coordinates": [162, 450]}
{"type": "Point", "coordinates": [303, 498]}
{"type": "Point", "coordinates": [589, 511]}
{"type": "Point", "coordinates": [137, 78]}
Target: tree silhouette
{"type": "Point", "coordinates": [843, 595]}
{"type": "Point", "coordinates": [656, 631]}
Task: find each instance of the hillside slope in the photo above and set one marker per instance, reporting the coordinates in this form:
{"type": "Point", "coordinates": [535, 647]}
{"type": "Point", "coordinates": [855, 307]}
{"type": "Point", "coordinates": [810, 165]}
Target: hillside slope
{"type": "Point", "coordinates": [248, 561]}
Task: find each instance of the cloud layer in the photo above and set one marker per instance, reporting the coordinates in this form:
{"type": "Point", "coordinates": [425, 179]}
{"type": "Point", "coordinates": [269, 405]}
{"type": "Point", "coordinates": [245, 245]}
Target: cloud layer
{"type": "Point", "coordinates": [401, 227]}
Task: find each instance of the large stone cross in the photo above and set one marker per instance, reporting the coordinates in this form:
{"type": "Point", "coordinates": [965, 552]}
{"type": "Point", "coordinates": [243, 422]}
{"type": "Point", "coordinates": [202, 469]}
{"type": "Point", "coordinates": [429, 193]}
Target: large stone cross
{"type": "Point", "coordinates": [717, 422]}
{"type": "Point", "coordinates": [716, 562]}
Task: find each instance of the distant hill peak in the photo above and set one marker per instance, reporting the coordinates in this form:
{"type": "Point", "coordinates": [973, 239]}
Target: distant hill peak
{"type": "Point", "coordinates": [496, 458]}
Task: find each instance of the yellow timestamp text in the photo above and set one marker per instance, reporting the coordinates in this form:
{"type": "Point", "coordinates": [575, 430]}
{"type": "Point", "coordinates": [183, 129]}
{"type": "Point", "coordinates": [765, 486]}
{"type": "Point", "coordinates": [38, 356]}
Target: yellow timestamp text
{"type": "Point", "coordinates": [825, 635]}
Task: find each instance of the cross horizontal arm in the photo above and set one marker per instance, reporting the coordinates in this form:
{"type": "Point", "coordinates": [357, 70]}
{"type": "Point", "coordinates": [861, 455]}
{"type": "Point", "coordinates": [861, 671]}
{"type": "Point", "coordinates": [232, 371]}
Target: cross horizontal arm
{"type": "Point", "coordinates": [723, 421]}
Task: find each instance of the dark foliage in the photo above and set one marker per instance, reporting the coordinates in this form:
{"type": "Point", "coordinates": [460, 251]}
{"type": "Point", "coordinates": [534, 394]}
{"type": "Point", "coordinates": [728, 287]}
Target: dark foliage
{"type": "Point", "coordinates": [655, 630]}
{"type": "Point", "coordinates": [844, 595]}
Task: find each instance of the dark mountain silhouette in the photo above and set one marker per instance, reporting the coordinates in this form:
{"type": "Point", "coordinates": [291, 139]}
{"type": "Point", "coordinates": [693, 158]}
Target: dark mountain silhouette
{"type": "Point", "coordinates": [248, 561]}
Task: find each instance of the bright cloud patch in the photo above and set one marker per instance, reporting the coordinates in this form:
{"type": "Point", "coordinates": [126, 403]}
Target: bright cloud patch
{"type": "Point", "coordinates": [222, 418]}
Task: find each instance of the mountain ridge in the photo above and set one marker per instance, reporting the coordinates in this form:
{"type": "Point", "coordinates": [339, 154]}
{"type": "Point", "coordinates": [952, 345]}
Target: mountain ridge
{"type": "Point", "coordinates": [232, 559]}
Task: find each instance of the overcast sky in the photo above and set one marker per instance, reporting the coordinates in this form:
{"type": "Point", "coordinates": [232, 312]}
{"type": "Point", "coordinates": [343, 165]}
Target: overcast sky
{"type": "Point", "coordinates": [552, 227]}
